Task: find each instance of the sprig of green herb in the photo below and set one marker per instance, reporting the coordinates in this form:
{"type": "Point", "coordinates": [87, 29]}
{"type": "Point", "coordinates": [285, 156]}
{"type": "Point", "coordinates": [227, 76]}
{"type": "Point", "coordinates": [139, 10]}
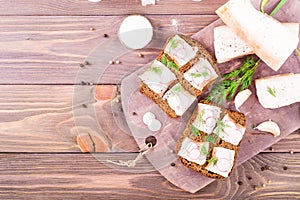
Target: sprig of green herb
{"type": "Point", "coordinates": [225, 89]}
{"type": "Point", "coordinates": [176, 89]}
{"type": "Point", "coordinates": [210, 139]}
{"type": "Point", "coordinates": [197, 75]}
{"type": "Point", "coordinates": [194, 130]}
{"type": "Point", "coordinates": [262, 6]}
{"type": "Point", "coordinates": [204, 151]}
{"type": "Point", "coordinates": [272, 91]}
{"type": "Point", "coordinates": [297, 52]}
{"type": "Point", "coordinates": [173, 43]}
{"type": "Point", "coordinates": [279, 5]}
{"type": "Point", "coordinates": [200, 117]}
{"type": "Point", "coordinates": [164, 60]}
{"type": "Point", "coordinates": [220, 127]}
{"type": "Point", "coordinates": [156, 69]}
{"type": "Point", "coordinates": [213, 160]}
{"type": "Point", "coordinates": [242, 77]}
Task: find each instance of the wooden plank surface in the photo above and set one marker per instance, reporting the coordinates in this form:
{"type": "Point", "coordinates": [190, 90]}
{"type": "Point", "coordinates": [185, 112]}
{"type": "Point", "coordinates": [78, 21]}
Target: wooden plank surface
{"type": "Point", "coordinates": [49, 49]}
{"type": "Point", "coordinates": [107, 7]}
{"type": "Point", "coordinates": [42, 44]}
{"type": "Point", "coordinates": [32, 119]}
{"type": "Point", "coordinates": [81, 176]}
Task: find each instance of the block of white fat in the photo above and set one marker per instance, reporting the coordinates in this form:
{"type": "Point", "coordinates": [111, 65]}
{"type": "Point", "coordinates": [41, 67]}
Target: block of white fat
{"type": "Point", "coordinates": [207, 117]}
{"type": "Point", "coordinates": [135, 32]}
{"type": "Point", "coordinates": [200, 74]}
{"type": "Point", "coordinates": [191, 151]}
{"type": "Point", "coordinates": [158, 77]}
{"type": "Point", "coordinates": [230, 131]}
{"type": "Point", "coordinates": [224, 161]}
{"type": "Point", "coordinates": [278, 91]}
{"type": "Point", "coordinates": [228, 45]}
{"type": "Point", "coordinates": [266, 36]}
{"type": "Point", "coordinates": [179, 99]}
{"type": "Point", "coordinates": [178, 49]}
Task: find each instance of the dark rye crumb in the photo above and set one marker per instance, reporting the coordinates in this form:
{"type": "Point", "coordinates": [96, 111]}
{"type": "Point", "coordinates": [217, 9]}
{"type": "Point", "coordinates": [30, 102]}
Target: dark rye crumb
{"type": "Point", "coordinates": [240, 183]}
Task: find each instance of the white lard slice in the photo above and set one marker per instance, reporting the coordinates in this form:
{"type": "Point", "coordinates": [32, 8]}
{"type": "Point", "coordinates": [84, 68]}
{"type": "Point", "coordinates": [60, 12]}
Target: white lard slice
{"type": "Point", "coordinates": [279, 90]}
{"type": "Point", "coordinates": [224, 161]}
{"type": "Point", "coordinates": [191, 151]}
{"type": "Point", "coordinates": [179, 99]}
{"type": "Point", "coordinates": [267, 37]}
{"type": "Point", "coordinates": [207, 117]}
{"type": "Point", "coordinates": [158, 77]}
{"type": "Point", "coordinates": [180, 50]}
{"type": "Point", "coordinates": [230, 131]}
{"type": "Point", "coordinates": [200, 74]}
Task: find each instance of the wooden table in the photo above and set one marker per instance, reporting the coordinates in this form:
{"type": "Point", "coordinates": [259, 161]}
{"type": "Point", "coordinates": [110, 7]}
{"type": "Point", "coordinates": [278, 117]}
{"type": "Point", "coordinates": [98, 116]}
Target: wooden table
{"type": "Point", "coordinates": [42, 45]}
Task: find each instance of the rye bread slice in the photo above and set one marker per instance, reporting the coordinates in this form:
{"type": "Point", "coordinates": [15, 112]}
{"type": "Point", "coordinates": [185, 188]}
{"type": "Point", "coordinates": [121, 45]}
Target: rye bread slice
{"type": "Point", "coordinates": [236, 116]}
{"type": "Point", "coordinates": [201, 53]}
{"type": "Point", "coordinates": [163, 104]}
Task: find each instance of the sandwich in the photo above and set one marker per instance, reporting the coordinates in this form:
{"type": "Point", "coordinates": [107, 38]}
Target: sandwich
{"type": "Point", "coordinates": [179, 75]}
{"type": "Point", "coordinates": [211, 140]}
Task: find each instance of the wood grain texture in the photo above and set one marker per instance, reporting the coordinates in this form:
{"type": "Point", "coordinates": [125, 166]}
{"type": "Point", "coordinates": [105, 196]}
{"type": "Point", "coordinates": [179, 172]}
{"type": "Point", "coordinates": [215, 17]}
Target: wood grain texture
{"type": "Point", "coordinates": [81, 176]}
{"type": "Point", "coordinates": [32, 119]}
{"type": "Point", "coordinates": [107, 7]}
{"type": "Point", "coordinates": [48, 50]}
{"type": "Point", "coordinates": [36, 118]}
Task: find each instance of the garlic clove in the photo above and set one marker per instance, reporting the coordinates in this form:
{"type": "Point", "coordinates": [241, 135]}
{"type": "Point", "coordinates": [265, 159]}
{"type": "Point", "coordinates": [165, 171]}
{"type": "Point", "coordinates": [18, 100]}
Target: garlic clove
{"type": "Point", "coordinates": [155, 125]}
{"type": "Point", "coordinates": [148, 118]}
{"type": "Point", "coordinates": [269, 126]}
{"type": "Point", "coordinates": [241, 97]}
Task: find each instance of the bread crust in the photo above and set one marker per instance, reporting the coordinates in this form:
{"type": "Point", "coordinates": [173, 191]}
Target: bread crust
{"type": "Point", "coordinates": [201, 53]}
{"type": "Point", "coordinates": [163, 104]}
{"type": "Point", "coordinates": [236, 116]}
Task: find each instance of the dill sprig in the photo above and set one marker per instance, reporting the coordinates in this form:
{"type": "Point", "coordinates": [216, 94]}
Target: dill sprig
{"type": "Point", "coordinates": [240, 78]}
{"type": "Point", "coordinates": [225, 89]}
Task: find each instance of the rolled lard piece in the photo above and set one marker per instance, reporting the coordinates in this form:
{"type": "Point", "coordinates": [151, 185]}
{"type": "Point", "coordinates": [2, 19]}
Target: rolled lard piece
{"type": "Point", "coordinates": [278, 91]}
{"type": "Point", "coordinates": [266, 36]}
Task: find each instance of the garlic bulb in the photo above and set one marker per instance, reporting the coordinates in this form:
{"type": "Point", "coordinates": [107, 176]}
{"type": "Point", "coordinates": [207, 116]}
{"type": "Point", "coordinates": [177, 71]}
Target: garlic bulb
{"type": "Point", "coordinates": [269, 126]}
